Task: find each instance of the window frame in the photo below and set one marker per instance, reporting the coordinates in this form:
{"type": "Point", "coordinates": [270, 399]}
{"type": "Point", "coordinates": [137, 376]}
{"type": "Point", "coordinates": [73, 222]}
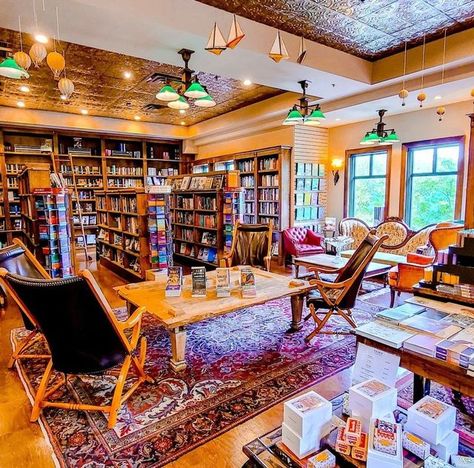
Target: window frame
{"type": "Point", "coordinates": [408, 148]}
{"type": "Point", "coordinates": [348, 177]}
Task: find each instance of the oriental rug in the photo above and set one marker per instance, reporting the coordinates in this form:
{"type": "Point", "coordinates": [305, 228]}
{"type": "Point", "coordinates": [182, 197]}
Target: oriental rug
{"type": "Point", "coordinates": [239, 365]}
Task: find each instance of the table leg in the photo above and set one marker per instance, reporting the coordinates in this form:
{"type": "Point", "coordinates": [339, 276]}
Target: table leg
{"type": "Point", "coordinates": [178, 348]}
{"type": "Point", "coordinates": [297, 302]}
{"type": "Point", "coordinates": [297, 270]}
{"type": "Point", "coordinates": [421, 387]}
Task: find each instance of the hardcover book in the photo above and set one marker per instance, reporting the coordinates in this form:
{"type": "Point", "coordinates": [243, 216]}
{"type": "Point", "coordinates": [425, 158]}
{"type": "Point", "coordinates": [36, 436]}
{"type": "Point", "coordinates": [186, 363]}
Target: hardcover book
{"type": "Point", "coordinates": [223, 282]}
{"type": "Point", "coordinates": [173, 284]}
{"type": "Point", "coordinates": [247, 282]}
{"type": "Point", "coordinates": [198, 276]}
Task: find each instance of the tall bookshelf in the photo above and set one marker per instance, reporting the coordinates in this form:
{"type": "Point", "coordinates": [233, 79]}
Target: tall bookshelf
{"type": "Point", "coordinates": [89, 162]}
{"type": "Point", "coordinates": [122, 241]}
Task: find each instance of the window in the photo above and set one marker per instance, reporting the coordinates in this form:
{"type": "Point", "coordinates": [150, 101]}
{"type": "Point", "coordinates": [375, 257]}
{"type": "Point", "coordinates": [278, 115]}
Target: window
{"type": "Point", "coordinates": [432, 183]}
{"type": "Point", "coordinates": [367, 197]}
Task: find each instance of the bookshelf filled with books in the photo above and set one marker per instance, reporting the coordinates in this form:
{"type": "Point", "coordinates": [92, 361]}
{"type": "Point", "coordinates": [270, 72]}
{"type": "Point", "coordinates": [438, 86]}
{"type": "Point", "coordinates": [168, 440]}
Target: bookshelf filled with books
{"type": "Point", "coordinates": [122, 239]}
{"type": "Point", "coordinates": [197, 217]}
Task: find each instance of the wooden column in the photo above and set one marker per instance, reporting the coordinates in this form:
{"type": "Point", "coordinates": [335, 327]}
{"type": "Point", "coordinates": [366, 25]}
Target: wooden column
{"type": "Point", "coordinates": [470, 177]}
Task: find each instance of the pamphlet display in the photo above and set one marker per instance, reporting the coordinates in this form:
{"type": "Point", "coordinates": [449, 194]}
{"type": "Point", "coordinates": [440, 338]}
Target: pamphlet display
{"type": "Point", "coordinates": [198, 277]}
{"type": "Point", "coordinates": [174, 281]}
{"type": "Point", "coordinates": [247, 282]}
{"type": "Point", "coordinates": [223, 282]}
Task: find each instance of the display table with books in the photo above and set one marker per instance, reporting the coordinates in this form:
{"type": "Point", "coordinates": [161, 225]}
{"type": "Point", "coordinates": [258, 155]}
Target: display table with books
{"type": "Point", "coordinates": [434, 340]}
{"type": "Point", "coordinates": [198, 299]}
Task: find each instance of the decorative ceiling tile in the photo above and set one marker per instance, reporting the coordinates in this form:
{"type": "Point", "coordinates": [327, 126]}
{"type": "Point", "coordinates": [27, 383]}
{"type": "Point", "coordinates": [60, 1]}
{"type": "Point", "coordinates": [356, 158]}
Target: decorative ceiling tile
{"type": "Point", "coordinates": [368, 29]}
{"type": "Point", "coordinates": [101, 88]}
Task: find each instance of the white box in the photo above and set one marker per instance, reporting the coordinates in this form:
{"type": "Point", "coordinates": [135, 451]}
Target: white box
{"type": "Point", "coordinates": [366, 421]}
{"type": "Point", "coordinates": [371, 399]}
{"type": "Point", "coordinates": [448, 446]}
{"type": "Point", "coordinates": [431, 419]}
{"type": "Point", "coordinates": [462, 462]}
{"type": "Point", "coordinates": [433, 462]}
{"type": "Point", "coordinates": [376, 459]}
{"type": "Point", "coordinates": [307, 413]}
{"type": "Point", "coordinates": [301, 447]}
{"type": "Point", "coordinates": [324, 459]}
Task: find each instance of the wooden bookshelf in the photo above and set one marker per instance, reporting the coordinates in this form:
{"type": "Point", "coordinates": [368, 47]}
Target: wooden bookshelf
{"type": "Point", "coordinates": [100, 161]}
{"type": "Point", "coordinates": [122, 240]}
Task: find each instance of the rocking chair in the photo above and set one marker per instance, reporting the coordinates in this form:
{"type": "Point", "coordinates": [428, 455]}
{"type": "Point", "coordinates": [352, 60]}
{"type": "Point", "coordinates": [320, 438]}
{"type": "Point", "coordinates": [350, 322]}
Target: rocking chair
{"type": "Point", "coordinates": [340, 296]}
{"type": "Point", "coordinates": [84, 337]}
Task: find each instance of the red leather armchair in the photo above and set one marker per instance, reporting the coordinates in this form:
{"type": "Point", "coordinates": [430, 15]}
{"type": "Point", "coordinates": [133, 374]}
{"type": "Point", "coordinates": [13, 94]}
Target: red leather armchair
{"type": "Point", "coordinates": [299, 242]}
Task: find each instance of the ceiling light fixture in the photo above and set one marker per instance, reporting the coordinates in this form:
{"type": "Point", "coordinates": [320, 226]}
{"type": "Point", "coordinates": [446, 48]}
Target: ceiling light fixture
{"type": "Point", "coordinates": [20, 104]}
{"type": "Point", "coordinates": [63, 97]}
{"type": "Point", "coordinates": [183, 123]}
{"type": "Point", "coordinates": [188, 87]}
{"type": "Point", "coordinates": [84, 111]}
{"type": "Point", "coordinates": [41, 38]}
{"type": "Point", "coordinates": [24, 89]}
{"type": "Point", "coordinates": [206, 101]}
{"type": "Point", "coordinates": [303, 113]}
{"type": "Point", "coordinates": [247, 82]}
{"type": "Point", "coordinates": [437, 97]}
{"type": "Point", "coordinates": [338, 119]}
{"type": "Point", "coordinates": [10, 69]}
{"type": "Point", "coordinates": [137, 117]}
{"type": "Point", "coordinates": [182, 111]}
{"type": "Point", "coordinates": [127, 75]}
{"type": "Point", "coordinates": [380, 134]}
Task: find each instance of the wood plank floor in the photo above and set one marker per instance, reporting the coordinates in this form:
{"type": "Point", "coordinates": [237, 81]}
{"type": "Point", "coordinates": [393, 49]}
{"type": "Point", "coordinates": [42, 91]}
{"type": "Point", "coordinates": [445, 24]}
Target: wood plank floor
{"type": "Point", "coordinates": [22, 443]}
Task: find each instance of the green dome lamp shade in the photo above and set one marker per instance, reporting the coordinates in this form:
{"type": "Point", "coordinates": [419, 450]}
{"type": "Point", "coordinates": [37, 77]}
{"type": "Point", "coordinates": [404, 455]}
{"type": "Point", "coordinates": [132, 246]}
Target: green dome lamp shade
{"type": "Point", "coordinates": [364, 139]}
{"type": "Point", "coordinates": [180, 104]}
{"type": "Point", "coordinates": [196, 91]}
{"type": "Point", "coordinates": [167, 93]}
{"type": "Point", "coordinates": [372, 139]}
{"type": "Point", "coordinates": [317, 114]}
{"type": "Point", "coordinates": [10, 69]}
{"type": "Point", "coordinates": [207, 101]}
{"type": "Point", "coordinates": [294, 117]}
{"type": "Point", "coordinates": [392, 138]}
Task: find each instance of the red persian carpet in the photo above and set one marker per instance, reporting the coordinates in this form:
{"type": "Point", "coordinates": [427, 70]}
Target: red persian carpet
{"type": "Point", "coordinates": [238, 365]}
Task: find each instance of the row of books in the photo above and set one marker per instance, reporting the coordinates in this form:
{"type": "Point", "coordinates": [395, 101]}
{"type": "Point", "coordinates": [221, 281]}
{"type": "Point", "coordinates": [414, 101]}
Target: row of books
{"type": "Point", "coordinates": [206, 203]}
{"type": "Point", "coordinates": [89, 238]}
{"type": "Point", "coordinates": [245, 165]}
{"type": "Point", "coordinates": [101, 202]}
{"type": "Point", "coordinates": [81, 169]}
{"type": "Point", "coordinates": [84, 194]}
{"type": "Point", "coordinates": [129, 204]}
{"type": "Point", "coordinates": [81, 182]}
{"type": "Point", "coordinates": [249, 208]}
{"type": "Point", "coordinates": [183, 217]}
{"type": "Point", "coordinates": [208, 221]}
{"type": "Point", "coordinates": [125, 171]}
{"type": "Point", "coordinates": [12, 182]}
{"type": "Point", "coordinates": [269, 180]}
{"type": "Point", "coordinates": [247, 181]}
{"type": "Point", "coordinates": [211, 182]}
{"type": "Point", "coordinates": [308, 212]}
{"type": "Point", "coordinates": [268, 208]}
{"type": "Point", "coordinates": [125, 183]}
{"type": "Point", "coordinates": [87, 220]}
{"type": "Point", "coordinates": [184, 234]}
{"type": "Point", "coordinates": [131, 224]}
{"type": "Point", "coordinates": [102, 218]}
{"type": "Point", "coordinates": [309, 184]}
{"type": "Point", "coordinates": [122, 151]}
{"type": "Point", "coordinates": [310, 169]}
{"type": "Point", "coordinates": [13, 168]}
{"type": "Point", "coordinates": [306, 199]}
{"type": "Point", "coordinates": [269, 194]}
{"type": "Point", "coordinates": [185, 202]}
{"type": "Point", "coordinates": [162, 172]}
{"type": "Point", "coordinates": [209, 238]}
{"type": "Point", "coordinates": [266, 164]}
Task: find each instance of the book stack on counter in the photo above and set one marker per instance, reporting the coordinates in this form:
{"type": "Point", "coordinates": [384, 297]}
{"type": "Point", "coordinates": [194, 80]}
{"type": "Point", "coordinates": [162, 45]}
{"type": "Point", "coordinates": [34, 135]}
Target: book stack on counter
{"type": "Point", "coordinates": [448, 336]}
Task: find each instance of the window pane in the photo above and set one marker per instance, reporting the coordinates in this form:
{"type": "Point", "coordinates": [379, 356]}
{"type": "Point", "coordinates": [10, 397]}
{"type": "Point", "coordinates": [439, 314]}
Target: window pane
{"type": "Point", "coordinates": [447, 160]}
{"type": "Point", "coordinates": [379, 164]}
{"type": "Point", "coordinates": [362, 165]}
{"type": "Point", "coordinates": [432, 200]}
{"type": "Point", "coordinates": [368, 195]}
{"type": "Point", "coordinates": [423, 160]}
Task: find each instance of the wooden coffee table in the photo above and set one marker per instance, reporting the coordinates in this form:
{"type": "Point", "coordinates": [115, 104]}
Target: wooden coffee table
{"type": "Point", "coordinates": [175, 313]}
{"type": "Point", "coordinates": [329, 261]}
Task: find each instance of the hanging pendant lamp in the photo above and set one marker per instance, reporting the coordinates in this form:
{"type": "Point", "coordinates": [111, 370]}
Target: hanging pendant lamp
{"type": "Point", "coordinates": [207, 101]}
{"type": "Point", "coordinates": [196, 91]}
{"type": "Point", "coordinates": [180, 104]}
{"type": "Point", "coordinates": [422, 96]}
{"type": "Point", "coordinates": [38, 53]}
{"type": "Point", "coordinates": [235, 34]}
{"type": "Point", "coordinates": [66, 87]}
{"type": "Point", "coordinates": [278, 51]}
{"type": "Point", "coordinates": [167, 93]}
{"type": "Point", "coordinates": [56, 63]}
{"type": "Point", "coordinates": [403, 94]}
{"type": "Point", "coordinates": [10, 69]}
{"type": "Point", "coordinates": [302, 51]}
{"type": "Point", "coordinates": [216, 43]}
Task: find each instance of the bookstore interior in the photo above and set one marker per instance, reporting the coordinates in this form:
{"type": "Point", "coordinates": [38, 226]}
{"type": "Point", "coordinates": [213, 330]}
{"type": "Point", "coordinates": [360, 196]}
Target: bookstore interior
{"type": "Point", "coordinates": [241, 236]}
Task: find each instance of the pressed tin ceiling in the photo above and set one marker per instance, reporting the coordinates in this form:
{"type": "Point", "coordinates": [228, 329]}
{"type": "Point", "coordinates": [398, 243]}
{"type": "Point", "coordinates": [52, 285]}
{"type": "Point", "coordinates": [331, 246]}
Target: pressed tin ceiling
{"type": "Point", "coordinates": [101, 88]}
{"type": "Point", "coordinates": [370, 29]}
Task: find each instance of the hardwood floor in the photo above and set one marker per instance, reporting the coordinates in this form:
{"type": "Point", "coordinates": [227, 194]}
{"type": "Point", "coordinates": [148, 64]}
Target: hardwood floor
{"type": "Point", "coordinates": [22, 443]}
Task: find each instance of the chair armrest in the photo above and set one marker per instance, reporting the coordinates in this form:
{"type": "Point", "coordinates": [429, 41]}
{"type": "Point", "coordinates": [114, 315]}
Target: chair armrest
{"type": "Point", "coordinates": [409, 274]}
{"type": "Point", "coordinates": [133, 319]}
{"type": "Point", "coordinates": [323, 269]}
{"type": "Point", "coordinates": [328, 285]}
{"type": "Point", "coordinates": [419, 259]}
{"type": "Point", "coordinates": [314, 238]}
{"type": "Point", "coordinates": [225, 261]}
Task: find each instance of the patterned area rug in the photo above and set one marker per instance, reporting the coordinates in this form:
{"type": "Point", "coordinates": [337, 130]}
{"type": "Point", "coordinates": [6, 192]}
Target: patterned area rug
{"type": "Point", "coordinates": [238, 365]}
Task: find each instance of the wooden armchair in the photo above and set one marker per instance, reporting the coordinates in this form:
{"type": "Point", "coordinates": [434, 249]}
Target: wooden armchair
{"type": "Point", "coordinates": [402, 277]}
{"type": "Point", "coordinates": [340, 296]}
{"type": "Point", "coordinates": [251, 245]}
{"type": "Point", "coordinates": [17, 259]}
{"type": "Point", "coordinates": [83, 335]}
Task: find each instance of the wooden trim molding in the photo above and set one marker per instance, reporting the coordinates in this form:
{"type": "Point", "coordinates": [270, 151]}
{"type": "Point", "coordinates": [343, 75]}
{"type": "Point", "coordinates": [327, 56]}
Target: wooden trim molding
{"type": "Point", "coordinates": [438, 141]}
{"type": "Point", "coordinates": [367, 149]}
{"type": "Point", "coordinates": [469, 215]}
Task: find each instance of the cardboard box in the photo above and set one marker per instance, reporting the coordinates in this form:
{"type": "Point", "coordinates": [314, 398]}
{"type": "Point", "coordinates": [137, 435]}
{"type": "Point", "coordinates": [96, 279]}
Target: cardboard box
{"type": "Point", "coordinates": [431, 419]}
{"type": "Point", "coordinates": [448, 446]}
{"type": "Point", "coordinates": [353, 430]}
{"type": "Point", "coordinates": [324, 459]}
{"type": "Point", "coordinates": [342, 445]}
{"type": "Point", "coordinates": [379, 455]}
{"type": "Point", "coordinates": [372, 399]}
{"type": "Point", "coordinates": [359, 451]}
{"type": "Point", "coordinates": [307, 414]}
{"type": "Point", "coordinates": [301, 447]}
{"type": "Point", "coordinates": [416, 445]}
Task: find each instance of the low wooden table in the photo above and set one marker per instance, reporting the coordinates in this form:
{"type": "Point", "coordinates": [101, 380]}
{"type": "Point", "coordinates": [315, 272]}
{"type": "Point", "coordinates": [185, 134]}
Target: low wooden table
{"type": "Point", "coordinates": [175, 313]}
{"type": "Point", "coordinates": [329, 261]}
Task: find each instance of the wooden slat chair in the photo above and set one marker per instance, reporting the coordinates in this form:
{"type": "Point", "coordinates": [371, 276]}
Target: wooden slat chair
{"type": "Point", "coordinates": [251, 245]}
{"type": "Point", "coordinates": [340, 296]}
{"type": "Point", "coordinates": [17, 259]}
{"type": "Point", "coordinates": [84, 337]}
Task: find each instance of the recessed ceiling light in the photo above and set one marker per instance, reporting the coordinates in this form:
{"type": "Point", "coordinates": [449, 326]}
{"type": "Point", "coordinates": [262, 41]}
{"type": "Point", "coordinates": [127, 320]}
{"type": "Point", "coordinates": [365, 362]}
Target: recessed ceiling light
{"type": "Point", "coordinates": [183, 123]}
{"type": "Point", "coordinates": [247, 82]}
{"type": "Point", "coordinates": [437, 97]}
{"type": "Point", "coordinates": [182, 111]}
{"type": "Point", "coordinates": [24, 89]}
{"type": "Point", "coordinates": [84, 111]}
{"type": "Point", "coordinates": [337, 120]}
{"type": "Point", "coordinates": [41, 38]}
{"type": "Point", "coordinates": [137, 117]}
{"type": "Point", "coordinates": [127, 75]}
{"type": "Point", "coordinates": [20, 104]}
{"type": "Point", "coordinates": [63, 97]}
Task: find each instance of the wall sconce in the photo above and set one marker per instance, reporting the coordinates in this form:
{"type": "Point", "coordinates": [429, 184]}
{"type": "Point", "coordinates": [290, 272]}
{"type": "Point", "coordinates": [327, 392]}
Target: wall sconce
{"type": "Point", "coordinates": [336, 164]}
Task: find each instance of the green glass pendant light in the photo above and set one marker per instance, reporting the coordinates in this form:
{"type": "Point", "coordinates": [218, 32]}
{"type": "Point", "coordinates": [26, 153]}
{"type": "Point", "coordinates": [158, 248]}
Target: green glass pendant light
{"type": "Point", "coordinates": [294, 117]}
{"type": "Point", "coordinates": [206, 101]}
{"type": "Point", "coordinates": [181, 103]}
{"type": "Point", "coordinates": [196, 91]}
{"type": "Point", "coordinates": [10, 69]}
{"type": "Point", "coordinates": [167, 93]}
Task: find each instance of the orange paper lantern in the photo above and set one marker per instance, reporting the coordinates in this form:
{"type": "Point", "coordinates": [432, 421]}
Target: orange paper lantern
{"type": "Point", "coordinates": [56, 62]}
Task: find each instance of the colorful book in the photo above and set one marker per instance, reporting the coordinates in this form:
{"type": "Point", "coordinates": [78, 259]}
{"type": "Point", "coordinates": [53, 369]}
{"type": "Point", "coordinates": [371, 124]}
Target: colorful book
{"type": "Point", "coordinates": [384, 332]}
{"type": "Point", "coordinates": [223, 282]}
{"type": "Point", "coordinates": [427, 325]}
{"type": "Point", "coordinates": [398, 314]}
{"type": "Point", "coordinates": [174, 281]}
{"type": "Point", "coordinates": [247, 282]}
{"type": "Point", "coordinates": [198, 276]}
